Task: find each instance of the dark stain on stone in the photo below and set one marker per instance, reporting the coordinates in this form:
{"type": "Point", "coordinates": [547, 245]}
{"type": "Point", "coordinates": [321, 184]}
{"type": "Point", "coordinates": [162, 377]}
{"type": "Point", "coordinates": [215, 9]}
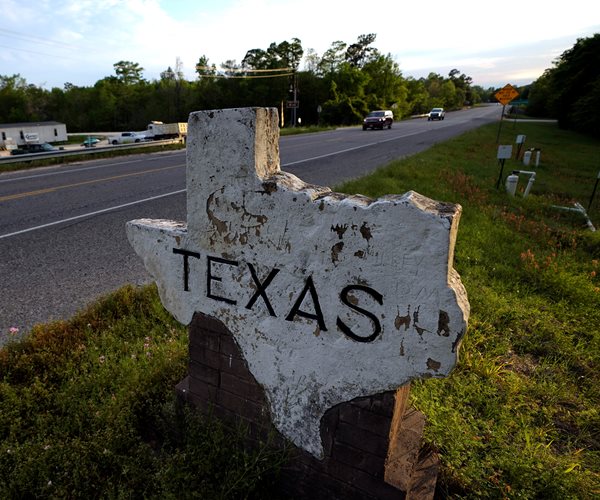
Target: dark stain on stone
{"type": "Point", "coordinates": [434, 365]}
{"type": "Point", "coordinates": [401, 321]}
{"type": "Point", "coordinates": [366, 231]}
{"type": "Point", "coordinates": [336, 250]}
{"type": "Point", "coordinates": [269, 187]}
{"type": "Point", "coordinates": [443, 328]}
{"type": "Point", "coordinates": [340, 230]}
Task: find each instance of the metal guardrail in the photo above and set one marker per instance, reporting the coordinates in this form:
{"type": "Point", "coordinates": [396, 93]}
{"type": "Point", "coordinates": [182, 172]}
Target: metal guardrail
{"type": "Point", "coordinates": [87, 151]}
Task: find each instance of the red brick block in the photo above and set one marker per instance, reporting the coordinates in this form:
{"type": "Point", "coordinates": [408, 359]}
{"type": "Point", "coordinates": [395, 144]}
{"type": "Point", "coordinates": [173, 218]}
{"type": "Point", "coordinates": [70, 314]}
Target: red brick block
{"type": "Point", "coordinates": [200, 389]}
{"type": "Point", "coordinates": [236, 366]}
{"type": "Point", "coordinates": [365, 419]}
{"type": "Point", "coordinates": [369, 486]}
{"type": "Point", "coordinates": [204, 338]}
{"type": "Point", "coordinates": [359, 459]}
{"type": "Point", "coordinates": [204, 373]}
{"type": "Point", "coordinates": [229, 347]}
{"type": "Point", "coordinates": [361, 439]}
{"type": "Point", "coordinates": [242, 407]}
{"type": "Point", "coordinates": [205, 356]}
{"type": "Point", "coordinates": [243, 388]}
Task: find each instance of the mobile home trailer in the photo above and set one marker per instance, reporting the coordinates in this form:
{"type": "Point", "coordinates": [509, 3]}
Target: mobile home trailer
{"type": "Point", "coordinates": [13, 135]}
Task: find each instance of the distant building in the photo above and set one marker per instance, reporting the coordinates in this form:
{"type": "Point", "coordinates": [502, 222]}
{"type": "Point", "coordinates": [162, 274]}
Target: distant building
{"type": "Point", "coordinates": [20, 134]}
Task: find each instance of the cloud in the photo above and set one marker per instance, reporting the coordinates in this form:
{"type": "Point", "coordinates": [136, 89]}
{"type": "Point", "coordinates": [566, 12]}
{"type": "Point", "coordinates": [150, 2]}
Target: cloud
{"type": "Point", "coordinates": [79, 41]}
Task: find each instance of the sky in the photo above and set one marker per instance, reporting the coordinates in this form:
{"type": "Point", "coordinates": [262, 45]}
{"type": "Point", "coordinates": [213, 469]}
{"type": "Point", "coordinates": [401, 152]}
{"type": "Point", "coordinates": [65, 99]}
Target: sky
{"type": "Point", "coordinates": [51, 42]}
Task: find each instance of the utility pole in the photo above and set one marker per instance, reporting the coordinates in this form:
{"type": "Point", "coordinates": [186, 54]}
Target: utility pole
{"type": "Point", "coordinates": [294, 92]}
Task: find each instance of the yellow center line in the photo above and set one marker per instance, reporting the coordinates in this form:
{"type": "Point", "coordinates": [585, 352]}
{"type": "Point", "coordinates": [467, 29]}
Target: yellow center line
{"type": "Point", "coordinates": [77, 184]}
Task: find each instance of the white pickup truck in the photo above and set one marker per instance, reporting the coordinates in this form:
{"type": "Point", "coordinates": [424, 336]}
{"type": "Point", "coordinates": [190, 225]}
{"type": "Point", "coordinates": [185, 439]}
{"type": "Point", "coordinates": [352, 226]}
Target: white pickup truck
{"type": "Point", "coordinates": [126, 138]}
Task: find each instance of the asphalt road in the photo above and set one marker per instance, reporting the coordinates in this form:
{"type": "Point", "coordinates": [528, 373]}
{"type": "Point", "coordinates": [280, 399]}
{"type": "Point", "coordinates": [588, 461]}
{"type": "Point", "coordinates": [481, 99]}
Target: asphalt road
{"type": "Point", "coordinates": [62, 228]}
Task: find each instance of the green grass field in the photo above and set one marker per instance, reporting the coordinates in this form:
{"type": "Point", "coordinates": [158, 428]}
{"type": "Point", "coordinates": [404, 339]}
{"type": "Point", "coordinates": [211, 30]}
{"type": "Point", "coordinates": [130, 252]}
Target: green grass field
{"type": "Point", "coordinates": [86, 406]}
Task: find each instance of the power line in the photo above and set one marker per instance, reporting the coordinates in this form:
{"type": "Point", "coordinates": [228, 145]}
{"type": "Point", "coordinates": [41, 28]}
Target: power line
{"type": "Point", "coordinates": [247, 77]}
{"type": "Point", "coordinates": [33, 38]}
{"type": "Point", "coordinates": [244, 70]}
{"type": "Point", "coordinates": [42, 53]}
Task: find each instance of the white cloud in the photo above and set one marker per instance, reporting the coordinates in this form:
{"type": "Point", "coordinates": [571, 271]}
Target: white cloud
{"type": "Point", "coordinates": [80, 40]}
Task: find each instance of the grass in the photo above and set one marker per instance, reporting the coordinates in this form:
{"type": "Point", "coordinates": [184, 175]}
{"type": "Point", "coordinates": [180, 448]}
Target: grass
{"type": "Point", "coordinates": [86, 406]}
{"type": "Point", "coordinates": [87, 410]}
{"type": "Point", "coordinates": [519, 417]}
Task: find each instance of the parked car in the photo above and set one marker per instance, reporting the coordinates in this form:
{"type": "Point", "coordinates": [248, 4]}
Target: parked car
{"type": "Point", "coordinates": [35, 148]}
{"type": "Point", "coordinates": [126, 138]}
{"type": "Point", "coordinates": [436, 114]}
{"type": "Point", "coordinates": [90, 142]}
{"type": "Point", "coordinates": [378, 119]}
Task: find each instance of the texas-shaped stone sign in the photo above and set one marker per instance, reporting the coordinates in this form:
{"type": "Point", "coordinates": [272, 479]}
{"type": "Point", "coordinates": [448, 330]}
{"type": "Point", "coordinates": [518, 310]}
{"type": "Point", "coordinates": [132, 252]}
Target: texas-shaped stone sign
{"type": "Point", "coordinates": [329, 297]}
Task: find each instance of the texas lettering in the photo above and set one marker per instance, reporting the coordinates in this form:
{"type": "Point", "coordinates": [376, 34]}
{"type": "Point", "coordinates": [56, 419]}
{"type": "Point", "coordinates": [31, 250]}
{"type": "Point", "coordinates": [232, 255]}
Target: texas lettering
{"type": "Point", "coordinates": [230, 281]}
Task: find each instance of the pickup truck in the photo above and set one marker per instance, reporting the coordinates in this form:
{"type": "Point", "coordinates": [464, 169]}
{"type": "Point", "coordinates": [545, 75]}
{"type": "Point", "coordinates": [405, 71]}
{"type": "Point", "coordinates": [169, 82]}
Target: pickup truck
{"type": "Point", "coordinates": [436, 114]}
{"type": "Point", "coordinates": [126, 138]}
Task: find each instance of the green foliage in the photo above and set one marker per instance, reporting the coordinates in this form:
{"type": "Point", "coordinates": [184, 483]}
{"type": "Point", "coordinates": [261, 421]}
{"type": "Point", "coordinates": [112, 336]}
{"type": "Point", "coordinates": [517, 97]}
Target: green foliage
{"type": "Point", "coordinates": [128, 72]}
{"type": "Point", "coordinates": [570, 90]}
{"type": "Point", "coordinates": [519, 417]}
{"type": "Point", "coordinates": [87, 411]}
{"type": "Point", "coordinates": [347, 81]}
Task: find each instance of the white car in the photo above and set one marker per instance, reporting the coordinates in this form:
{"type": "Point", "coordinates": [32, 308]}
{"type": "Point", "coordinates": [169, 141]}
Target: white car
{"type": "Point", "coordinates": [126, 138]}
{"type": "Point", "coordinates": [436, 114]}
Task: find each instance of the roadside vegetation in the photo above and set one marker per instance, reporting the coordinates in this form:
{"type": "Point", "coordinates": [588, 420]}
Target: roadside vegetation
{"type": "Point", "coordinates": [87, 406]}
{"type": "Point", "coordinates": [520, 416]}
{"type": "Point", "coordinates": [338, 87]}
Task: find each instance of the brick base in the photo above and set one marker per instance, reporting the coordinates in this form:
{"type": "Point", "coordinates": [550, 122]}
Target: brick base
{"type": "Point", "coordinates": [372, 445]}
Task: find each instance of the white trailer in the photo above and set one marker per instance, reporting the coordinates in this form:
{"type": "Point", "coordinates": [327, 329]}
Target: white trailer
{"type": "Point", "coordinates": [23, 134]}
{"type": "Point", "coordinates": [159, 130]}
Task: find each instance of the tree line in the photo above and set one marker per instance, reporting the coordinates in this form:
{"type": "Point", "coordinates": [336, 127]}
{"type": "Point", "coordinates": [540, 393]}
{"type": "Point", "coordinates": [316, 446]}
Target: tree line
{"type": "Point", "coordinates": [570, 90]}
{"type": "Point", "coordinates": [336, 88]}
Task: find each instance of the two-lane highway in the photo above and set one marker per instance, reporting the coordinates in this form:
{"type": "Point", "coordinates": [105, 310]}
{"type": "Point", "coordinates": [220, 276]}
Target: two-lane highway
{"type": "Point", "coordinates": [62, 229]}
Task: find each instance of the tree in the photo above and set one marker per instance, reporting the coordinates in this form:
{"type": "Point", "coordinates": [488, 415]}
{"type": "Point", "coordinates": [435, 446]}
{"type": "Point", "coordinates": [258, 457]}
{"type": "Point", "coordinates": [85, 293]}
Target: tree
{"type": "Point", "coordinates": [130, 73]}
{"type": "Point", "coordinates": [204, 68]}
{"type": "Point", "coordinates": [385, 88]}
{"type": "Point", "coordinates": [358, 53]}
{"type": "Point", "coordinates": [282, 55]}
{"type": "Point", "coordinates": [462, 84]}
{"type": "Point", "coordinates": [168, 74]}
{"type": "Point", "coordinates": [332, 57]}
{"type": "Point", "coordinates": [13, 99]}
{"type": "Point", "coordinates": [311, 61]}
{"type": "Point", "coordinates": [418, 97]}
{"type": "Point", "coordinates": [569, 91]}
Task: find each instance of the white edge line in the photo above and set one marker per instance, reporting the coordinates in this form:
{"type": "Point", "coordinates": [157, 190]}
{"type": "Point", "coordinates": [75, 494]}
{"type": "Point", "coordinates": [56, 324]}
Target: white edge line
{"type": "Point", "coordinates": [43, 226]}
{"type": "Point", "coordinates": [90, 214]}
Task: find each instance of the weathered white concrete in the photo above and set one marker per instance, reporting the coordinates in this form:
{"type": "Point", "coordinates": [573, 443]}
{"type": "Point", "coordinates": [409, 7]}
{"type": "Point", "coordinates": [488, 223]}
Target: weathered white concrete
{"type": "Point", "coordinates": [329, 296]}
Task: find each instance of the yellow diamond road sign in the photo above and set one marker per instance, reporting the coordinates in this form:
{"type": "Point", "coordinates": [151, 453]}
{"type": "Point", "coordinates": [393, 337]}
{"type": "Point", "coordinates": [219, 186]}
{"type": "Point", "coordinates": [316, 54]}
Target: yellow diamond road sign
{"type": "Point", "coordinates": [506, 94]}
